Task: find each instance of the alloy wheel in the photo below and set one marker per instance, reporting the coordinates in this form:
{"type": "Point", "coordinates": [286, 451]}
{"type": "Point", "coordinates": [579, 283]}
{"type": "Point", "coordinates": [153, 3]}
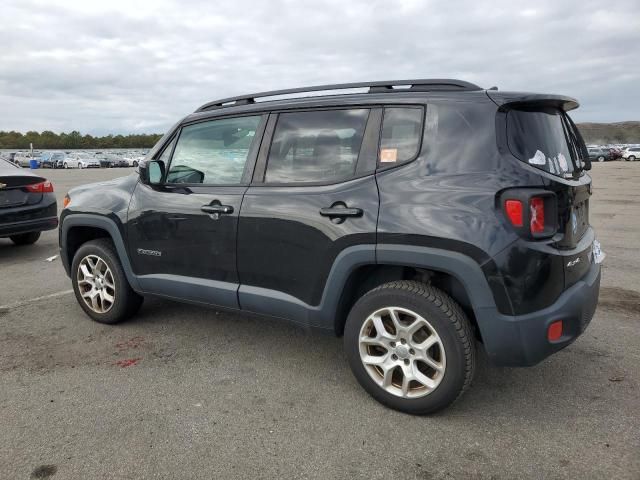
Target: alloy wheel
{"type": "Point", "coordinates": [96, 284]}
{"type": "Point", "coordinates": [402, 352]}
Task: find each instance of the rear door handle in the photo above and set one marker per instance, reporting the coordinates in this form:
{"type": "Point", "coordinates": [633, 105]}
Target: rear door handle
{"type": "Point", "coordinates": [341, 212]}
{"type": "Point", "coordinates": [219, 209]}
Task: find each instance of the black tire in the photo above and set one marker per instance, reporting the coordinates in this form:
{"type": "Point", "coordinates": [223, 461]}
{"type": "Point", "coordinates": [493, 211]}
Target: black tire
{"type": "Point", "coordinates": [126, 301]}
{"type": "Point", "coordinates": [449, 322]}
{"type": "Point", "coordinates": [25, 238]}
{"type": "Point", "coordinates": [601, 158]}
{"type": "Point", "coordinates": [135, 163]}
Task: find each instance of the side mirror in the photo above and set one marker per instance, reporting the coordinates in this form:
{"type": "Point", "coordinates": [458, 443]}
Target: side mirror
{"type": "Point", "coordinates": [152, 172]}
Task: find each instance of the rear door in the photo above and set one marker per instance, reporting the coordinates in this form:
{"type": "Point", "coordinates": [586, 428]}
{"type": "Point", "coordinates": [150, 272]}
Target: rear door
{"type": "Point", "coordinates": [182, 233]}
{"type": "Point", "coordinates": [313, 196]}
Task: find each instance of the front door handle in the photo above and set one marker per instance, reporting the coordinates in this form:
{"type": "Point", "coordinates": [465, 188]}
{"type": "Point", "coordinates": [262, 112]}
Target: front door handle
{"type": "Point", "coordinates": [219, 209]}
{"type": "Point", "coordinates": [340, 211]}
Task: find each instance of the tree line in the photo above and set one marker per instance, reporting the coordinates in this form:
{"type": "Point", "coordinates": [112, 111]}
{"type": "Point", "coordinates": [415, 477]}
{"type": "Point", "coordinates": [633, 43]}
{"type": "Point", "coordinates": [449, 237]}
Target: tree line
{"type": "Point", "coordinates": [50, 140]}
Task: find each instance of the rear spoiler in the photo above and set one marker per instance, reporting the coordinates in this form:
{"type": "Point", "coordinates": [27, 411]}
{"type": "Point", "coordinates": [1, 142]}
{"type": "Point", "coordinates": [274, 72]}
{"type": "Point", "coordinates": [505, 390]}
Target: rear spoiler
{"type": "Point", "coordinates": [506, 100]}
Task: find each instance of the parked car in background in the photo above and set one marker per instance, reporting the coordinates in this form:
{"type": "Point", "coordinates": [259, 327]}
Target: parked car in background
{"type": "Point", "coordinates": [22, 159]}
{"type": "Point", "coordinates": [615, 151]}
{"type": "Point", "coordinates": [81, 160]}
{"type": "Point", "coordinates": [631, 153]}
{"type": "Point", "coordinates": [105, 161]}
{"type": "Point", "coordinates": [58, 159]}
{"type": "Point", "coordinates": [52, 159]}
{"type": "Point", "coordinates": [599, 154]}
{"type": "Point", "coordinates": [27, 204]}
{"type": "Point", "coordinates": [133, 160]}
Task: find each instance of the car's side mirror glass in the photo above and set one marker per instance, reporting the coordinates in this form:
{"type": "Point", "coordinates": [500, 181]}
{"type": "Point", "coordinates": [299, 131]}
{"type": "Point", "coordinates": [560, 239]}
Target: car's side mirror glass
{"type": "Point", "coordinates": [152, 172]}
{"type": "Point", "coordinates": [155, 172]}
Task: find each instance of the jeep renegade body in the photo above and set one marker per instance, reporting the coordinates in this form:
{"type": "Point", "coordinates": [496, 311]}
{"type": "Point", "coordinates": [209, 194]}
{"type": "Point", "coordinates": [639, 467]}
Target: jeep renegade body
{"type": "Point", "coordinates": [417, 218]}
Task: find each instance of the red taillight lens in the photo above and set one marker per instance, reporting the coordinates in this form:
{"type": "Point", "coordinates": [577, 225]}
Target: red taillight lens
{"type": "Point", "coordinates": [554, 331]}
{"type": "Point", "coordinates": [42, 187]}
{"type": "Point", "coordinates": [536, 207]}
{"type": "Point", "coordinates": [513, 209]}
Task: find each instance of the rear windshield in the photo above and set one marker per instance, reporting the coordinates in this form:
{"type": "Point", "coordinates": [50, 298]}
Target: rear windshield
{"type": "Point", "coordinates": [546, 139]}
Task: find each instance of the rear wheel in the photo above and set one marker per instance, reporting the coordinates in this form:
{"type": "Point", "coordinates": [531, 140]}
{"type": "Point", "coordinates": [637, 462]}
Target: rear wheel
{"type": "Point", "coordinates": [601, 158]}
{"type": "Point", "coordinates": [632, 158]}
{"type": "Point", "coordinates": [410, 346]}
{"type": "Point", "coordinates": [100, 284]}
{"type": "Point", "coordinates": [135, 163]}
{"type": "Point", "coordinates": [25, 238]}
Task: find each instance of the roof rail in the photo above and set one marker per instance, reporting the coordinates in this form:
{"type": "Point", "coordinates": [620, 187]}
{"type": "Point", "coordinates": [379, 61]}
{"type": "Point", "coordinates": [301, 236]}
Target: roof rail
{"type": "Point", "coordinates": [424, 85]}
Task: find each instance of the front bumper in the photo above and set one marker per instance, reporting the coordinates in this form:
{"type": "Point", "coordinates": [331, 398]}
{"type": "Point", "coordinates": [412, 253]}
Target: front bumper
{"type": "Point", "coordinates": [521, 340]}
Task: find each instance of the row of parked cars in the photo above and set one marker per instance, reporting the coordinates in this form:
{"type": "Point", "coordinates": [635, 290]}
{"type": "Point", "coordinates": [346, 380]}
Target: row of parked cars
{"type": "Point", "coordinates": [75, 159]}
{"type": "Point", "coordinates": [603, 153]}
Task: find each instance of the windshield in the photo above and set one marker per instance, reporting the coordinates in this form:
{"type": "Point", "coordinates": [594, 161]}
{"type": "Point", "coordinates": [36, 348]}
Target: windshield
{"type": "Point", "coordinates": [547, 139]}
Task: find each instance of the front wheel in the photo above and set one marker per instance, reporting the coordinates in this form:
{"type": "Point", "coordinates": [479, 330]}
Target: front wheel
{"type": "Point", "coordinates": [410, 346]}
{"type": "Point", "coordinates": [632, 158]}
{"type": "Point", "coordinates": [135, 163]}
{"type": "Point", "coordinates": [100, 284]}
{"type": "Point", "coordinates": [601, 158]}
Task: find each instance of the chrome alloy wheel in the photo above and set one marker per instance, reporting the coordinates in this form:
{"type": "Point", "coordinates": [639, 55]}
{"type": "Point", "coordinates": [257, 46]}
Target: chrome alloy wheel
{"type": "Point", "coordinates": [402, 352]}
{"type": "Point", "coordinates": [96, 284]}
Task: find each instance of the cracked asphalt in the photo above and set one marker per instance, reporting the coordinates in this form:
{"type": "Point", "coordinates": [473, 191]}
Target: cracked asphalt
{"type": "Point", "coordinates": [187, 392]}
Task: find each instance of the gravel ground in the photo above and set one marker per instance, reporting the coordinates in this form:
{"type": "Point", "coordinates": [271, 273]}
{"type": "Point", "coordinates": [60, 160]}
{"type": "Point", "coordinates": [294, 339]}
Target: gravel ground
{"type": "Point", "coordinates": [187, 392]}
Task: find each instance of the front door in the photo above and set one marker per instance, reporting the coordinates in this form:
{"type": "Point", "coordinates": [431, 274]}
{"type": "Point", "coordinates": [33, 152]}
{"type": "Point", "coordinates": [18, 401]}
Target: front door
{"type": "Point", "coordinates": [182, 233]}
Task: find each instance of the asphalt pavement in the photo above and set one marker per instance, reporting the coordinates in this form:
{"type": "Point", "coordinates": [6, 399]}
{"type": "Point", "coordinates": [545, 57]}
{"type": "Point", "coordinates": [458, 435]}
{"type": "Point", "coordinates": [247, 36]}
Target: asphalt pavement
{"type": "Point", "coordinates": [182, 392]}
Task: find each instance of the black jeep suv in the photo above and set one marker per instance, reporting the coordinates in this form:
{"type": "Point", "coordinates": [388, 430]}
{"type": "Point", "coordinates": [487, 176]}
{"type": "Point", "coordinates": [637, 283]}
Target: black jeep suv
{"type": "Point", "coordinates": [416, 218]}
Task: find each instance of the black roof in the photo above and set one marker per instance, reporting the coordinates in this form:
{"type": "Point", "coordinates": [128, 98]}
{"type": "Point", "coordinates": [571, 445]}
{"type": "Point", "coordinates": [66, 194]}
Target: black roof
{"type": "Point", "coordinates": [386, 86]}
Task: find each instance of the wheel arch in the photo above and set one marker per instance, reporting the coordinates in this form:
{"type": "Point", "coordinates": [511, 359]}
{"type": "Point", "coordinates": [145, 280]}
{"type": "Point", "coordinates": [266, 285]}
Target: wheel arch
{"type": "Point", "coordinates": [455, 273]}
{"type": "Point", "coordinates": [77, 229]}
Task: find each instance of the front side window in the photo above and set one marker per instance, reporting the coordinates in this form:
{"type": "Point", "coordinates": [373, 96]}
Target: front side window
{"type": "Point", "coordinates": [213, 152]}
{"type": "Point", "coordinates": [401, 132]}
{"type": "Point", "coordinates": [321, 146]}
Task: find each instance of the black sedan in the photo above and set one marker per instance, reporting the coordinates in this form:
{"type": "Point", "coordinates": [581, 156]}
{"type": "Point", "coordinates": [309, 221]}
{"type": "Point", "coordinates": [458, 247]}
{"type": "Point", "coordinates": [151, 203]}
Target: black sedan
{"type": "Point", "coordinates": [27, 204]}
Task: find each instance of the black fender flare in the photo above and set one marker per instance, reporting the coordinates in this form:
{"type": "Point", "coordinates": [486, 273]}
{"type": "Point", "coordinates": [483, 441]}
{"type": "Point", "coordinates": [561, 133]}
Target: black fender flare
{"type": "Point", "coordinates": [104, 223]}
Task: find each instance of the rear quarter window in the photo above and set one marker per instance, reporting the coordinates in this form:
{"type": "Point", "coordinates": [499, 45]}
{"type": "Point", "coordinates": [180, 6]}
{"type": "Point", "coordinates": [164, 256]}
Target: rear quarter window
{"type": "Point", "coordinates": [460, 138]}
{"type": "Point", "coordinates": [401, 135]}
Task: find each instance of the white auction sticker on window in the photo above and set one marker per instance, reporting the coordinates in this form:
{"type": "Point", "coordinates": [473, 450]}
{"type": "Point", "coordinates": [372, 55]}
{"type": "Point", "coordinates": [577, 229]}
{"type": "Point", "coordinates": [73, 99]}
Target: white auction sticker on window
{"type": "Point", "coordinates": [538, 158]}
{"type": "Point", "coordinates": [388, 155]}
{"type": "Point", "coordinates": [563, 162]}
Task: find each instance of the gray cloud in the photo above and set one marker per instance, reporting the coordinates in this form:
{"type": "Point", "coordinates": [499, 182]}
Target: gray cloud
{"type": "Point", "coordinates": [124, 67]}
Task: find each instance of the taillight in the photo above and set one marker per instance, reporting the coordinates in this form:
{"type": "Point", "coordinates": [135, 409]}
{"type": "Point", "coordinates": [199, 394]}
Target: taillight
{"type": "Point", "coordinates": [536, 207]}
{"type": "Point", "coordinates": [42, 187]}
{"type": "Point", "coordinates": [532, 212]}
{"type": "Point", "coordinates": [513, 208]}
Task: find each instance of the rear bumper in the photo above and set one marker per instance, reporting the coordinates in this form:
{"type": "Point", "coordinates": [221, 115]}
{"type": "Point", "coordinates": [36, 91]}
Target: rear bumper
{"type": "Point", "coordinates": [39, 225]}
{"type": "Point", "coordinates": [521, 340]}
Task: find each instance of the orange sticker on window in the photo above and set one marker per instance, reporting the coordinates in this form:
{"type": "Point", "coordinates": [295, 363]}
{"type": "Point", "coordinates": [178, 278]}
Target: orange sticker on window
{"type": "Point", "coordinates": [388, 155]}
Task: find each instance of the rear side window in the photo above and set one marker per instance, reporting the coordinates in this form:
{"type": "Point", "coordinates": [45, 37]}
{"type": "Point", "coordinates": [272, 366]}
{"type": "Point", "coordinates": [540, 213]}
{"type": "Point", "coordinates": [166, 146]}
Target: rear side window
{"type": "Point", "coordinates": [543, 138]}
{"type": "Point", "coordinates": [316, 147]}
{"type": "Point", "coordinates": [401, 132]}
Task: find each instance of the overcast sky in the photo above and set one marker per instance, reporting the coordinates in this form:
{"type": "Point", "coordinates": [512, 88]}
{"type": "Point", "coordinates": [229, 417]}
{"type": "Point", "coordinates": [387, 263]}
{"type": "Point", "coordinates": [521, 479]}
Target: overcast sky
{"type": "Point", "coordinates": [126, 66]}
